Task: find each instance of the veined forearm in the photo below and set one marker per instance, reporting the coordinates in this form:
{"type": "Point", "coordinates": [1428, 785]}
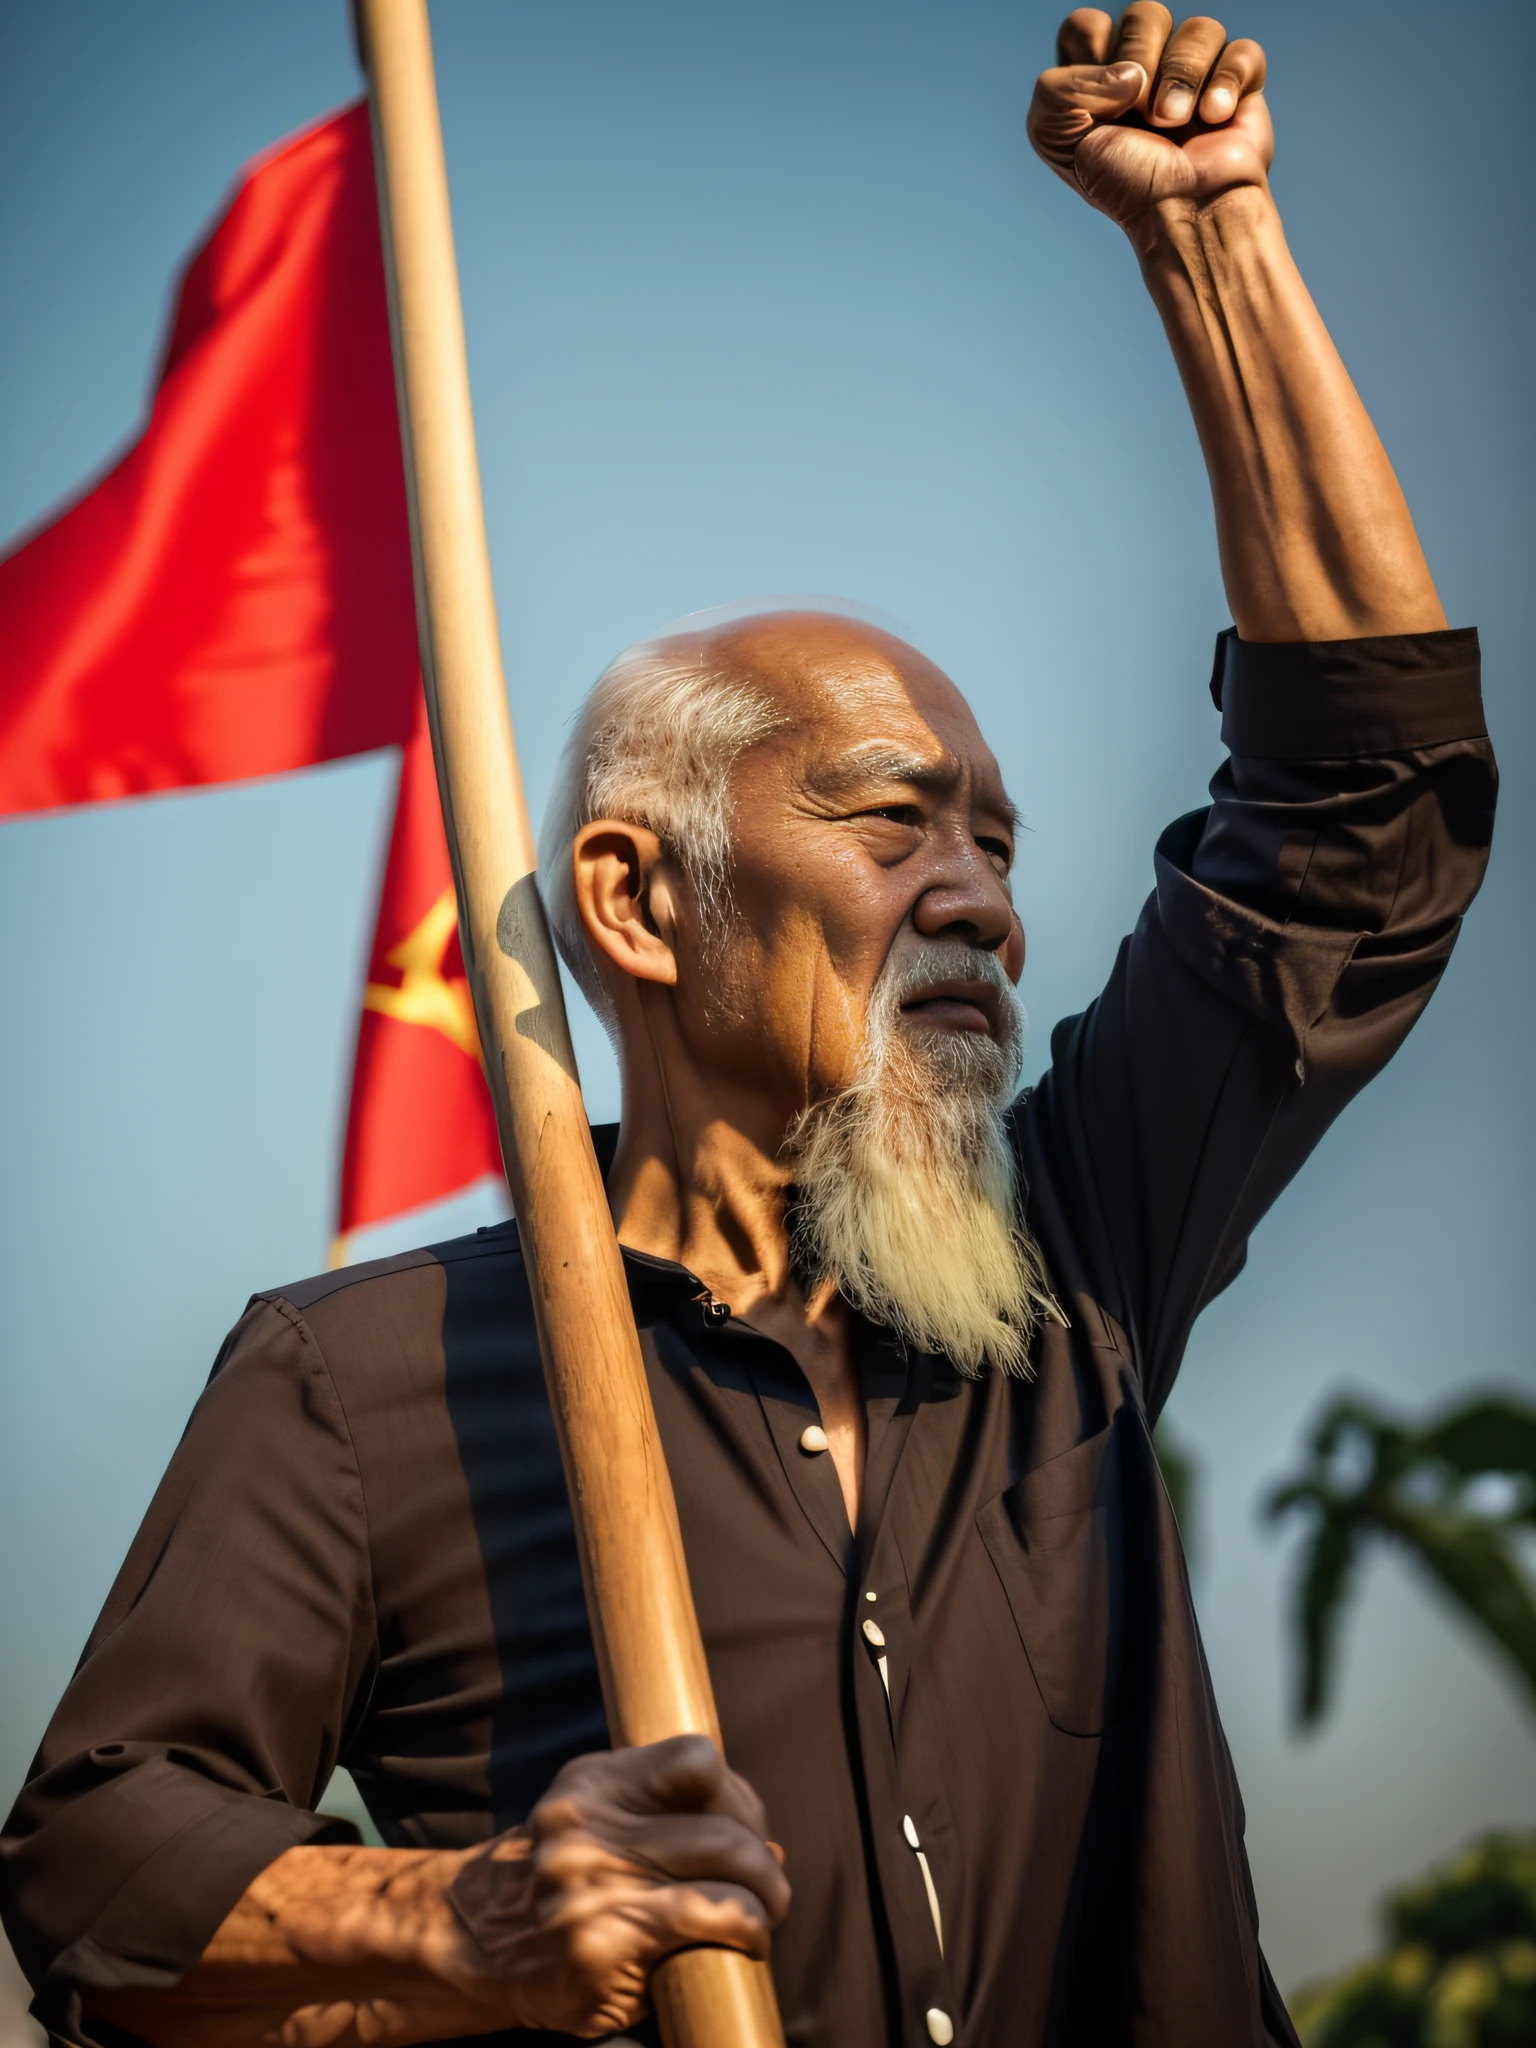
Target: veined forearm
{"type": "Point", "coordinates": [340, 1945]}
{"type": "Point", "coordinates": [555, 1926]}
{"type": "Point", "coordinates": [1315, 535]}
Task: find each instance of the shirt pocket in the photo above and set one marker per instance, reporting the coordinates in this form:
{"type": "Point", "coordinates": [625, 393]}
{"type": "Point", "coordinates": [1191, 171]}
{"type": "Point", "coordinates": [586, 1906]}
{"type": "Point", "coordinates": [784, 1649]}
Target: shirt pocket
{"type": "Point", "coordinates": [1056, 1539]}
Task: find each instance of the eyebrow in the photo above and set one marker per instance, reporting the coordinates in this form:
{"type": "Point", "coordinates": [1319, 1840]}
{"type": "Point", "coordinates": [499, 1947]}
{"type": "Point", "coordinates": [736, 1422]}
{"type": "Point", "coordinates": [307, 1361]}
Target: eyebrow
{"type": "Point", "coordinates": [892, 765]}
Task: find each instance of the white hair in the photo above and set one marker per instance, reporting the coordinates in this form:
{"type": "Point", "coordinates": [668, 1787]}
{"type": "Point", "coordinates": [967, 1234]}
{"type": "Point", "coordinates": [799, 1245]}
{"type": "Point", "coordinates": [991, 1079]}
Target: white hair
{"type": "Point", "coordinates": [906, 1190]}
{"type": "Point", "coordinates": [654, 745]}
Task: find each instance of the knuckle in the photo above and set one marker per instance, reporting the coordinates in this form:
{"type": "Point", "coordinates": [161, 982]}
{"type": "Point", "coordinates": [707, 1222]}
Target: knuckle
{"type": "Point", "coordinates": [554, 1877]}
{"type": "Point", "coordinates": [692, 1764]}
{"type": "Point", "coordinates": [556, 1814]}
{"type": "Point", "coordinates": [1083, 36]}
{"type": "Point", "coordinates": [561, 1855]}
{"type": "Point", "coordinates": [696, 1751]}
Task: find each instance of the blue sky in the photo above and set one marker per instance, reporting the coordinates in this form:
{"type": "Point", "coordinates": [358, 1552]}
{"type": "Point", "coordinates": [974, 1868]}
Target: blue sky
{"type": "Point", "coordinates": [776, 300]}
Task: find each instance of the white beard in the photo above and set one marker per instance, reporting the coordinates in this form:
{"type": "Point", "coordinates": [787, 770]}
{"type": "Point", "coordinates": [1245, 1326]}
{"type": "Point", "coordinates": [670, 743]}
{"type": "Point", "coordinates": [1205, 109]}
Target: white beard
{"type": "Point", "coordinates": [905, 1188]}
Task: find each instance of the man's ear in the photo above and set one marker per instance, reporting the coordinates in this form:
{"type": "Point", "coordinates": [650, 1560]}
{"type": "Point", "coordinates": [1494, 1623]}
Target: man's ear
{"type": "Point", "coordinates": [626, 898]}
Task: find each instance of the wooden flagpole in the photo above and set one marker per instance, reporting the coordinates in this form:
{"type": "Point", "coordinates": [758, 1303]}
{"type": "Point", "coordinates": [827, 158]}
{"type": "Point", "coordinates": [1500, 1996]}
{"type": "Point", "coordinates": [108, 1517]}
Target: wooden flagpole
{"type": "Point", "coordinates": [655, 1682]}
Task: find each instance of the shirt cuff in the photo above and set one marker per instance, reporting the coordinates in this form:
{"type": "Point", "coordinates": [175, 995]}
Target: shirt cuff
{"type": "Point", "coordinates": [159, 1923]}
{"type": "Point", "coordinates": [1328, 700]}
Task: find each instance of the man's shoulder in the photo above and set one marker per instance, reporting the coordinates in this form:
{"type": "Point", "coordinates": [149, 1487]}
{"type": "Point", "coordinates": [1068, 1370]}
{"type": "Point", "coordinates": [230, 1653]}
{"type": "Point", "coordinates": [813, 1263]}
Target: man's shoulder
{"type": "Point", "coordinates": [358, 1286]}
{"type": "Point", "coordinates": [388, 1326]}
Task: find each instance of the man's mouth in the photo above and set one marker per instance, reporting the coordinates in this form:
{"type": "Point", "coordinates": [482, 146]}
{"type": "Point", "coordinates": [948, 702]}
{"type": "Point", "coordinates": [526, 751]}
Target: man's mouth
{"type": "Point", "coordinates": [955, 1006]}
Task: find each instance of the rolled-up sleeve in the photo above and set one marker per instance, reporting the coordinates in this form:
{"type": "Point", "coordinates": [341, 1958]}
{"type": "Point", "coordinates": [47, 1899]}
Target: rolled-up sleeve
{"type": "Point", "coordinates": [215, 1695]}
{"type": "Point", "coordinates": [1298, 926]}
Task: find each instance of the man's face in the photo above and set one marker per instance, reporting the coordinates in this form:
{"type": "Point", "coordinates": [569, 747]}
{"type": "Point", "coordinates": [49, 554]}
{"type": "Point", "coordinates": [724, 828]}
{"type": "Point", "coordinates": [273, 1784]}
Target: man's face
{"type": "Point", "coordinates": [872, 825]}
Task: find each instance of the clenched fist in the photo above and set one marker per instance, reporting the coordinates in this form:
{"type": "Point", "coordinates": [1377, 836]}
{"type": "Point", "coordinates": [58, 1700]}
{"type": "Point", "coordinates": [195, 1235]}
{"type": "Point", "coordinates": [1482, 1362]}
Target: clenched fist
{"type": "Point", "coordinates": [1146, 113]}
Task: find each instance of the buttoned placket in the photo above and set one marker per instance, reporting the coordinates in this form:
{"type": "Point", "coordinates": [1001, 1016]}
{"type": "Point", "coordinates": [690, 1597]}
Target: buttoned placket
{"type": "Point", "coordinates": [907, 1813]}
{"type": "Point", "coordinates": [901, 1820]}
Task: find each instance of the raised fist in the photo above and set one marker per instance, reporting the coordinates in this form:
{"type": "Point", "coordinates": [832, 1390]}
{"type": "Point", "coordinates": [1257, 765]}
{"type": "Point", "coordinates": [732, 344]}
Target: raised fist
{"type": "Point", "coordinates": [1144, 113]}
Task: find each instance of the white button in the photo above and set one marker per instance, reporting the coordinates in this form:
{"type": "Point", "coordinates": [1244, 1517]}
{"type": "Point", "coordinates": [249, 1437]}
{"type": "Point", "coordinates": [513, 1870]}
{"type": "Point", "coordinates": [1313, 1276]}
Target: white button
{"type": "Point", "coordinates": [941, 2028]}
{"type": "Point", "coordinates": [909, 1831]}
{"type": "Point", "coordinates": [813, 1438]}
{"type": "Point", "coordinates": [869, 1596]}
{"type": "Point", "coordinates": [875, 1634]}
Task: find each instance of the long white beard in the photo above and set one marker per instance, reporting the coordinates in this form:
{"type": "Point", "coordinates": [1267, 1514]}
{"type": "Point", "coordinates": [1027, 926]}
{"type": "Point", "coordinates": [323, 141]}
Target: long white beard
{"type": "Point", "coordinates": [905, 1188]}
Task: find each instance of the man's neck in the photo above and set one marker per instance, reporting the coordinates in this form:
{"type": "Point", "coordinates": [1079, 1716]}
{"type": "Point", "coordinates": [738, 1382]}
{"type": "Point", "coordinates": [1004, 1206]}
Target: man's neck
{"type": "Point", "coordinates": [704, 1187]}
{"type": "Point", "coordinates": [709, 1197]}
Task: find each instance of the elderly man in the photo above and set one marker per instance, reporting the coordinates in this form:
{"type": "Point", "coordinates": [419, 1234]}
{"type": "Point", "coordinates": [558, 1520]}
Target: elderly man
{"type": "Point", "coordinates": [905, 1333]}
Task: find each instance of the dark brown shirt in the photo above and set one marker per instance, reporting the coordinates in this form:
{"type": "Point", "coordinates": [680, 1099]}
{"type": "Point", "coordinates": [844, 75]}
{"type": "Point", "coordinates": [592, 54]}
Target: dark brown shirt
{"type": "Point", "coordinates": [362, 1551]}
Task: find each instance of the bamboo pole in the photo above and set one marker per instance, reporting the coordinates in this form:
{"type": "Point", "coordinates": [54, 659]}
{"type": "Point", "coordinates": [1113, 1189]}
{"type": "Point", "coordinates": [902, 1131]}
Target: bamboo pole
{"type": "Point", "coordinates": [655, 1682]}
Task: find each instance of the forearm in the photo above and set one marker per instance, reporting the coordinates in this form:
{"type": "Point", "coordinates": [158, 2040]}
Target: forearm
{"type": "Point", "coordinates": [1315, 535]}
{"type": "Point", "coordinates": [554, 1926]}
{"type": "Point", "coordinates": [328, 1944]}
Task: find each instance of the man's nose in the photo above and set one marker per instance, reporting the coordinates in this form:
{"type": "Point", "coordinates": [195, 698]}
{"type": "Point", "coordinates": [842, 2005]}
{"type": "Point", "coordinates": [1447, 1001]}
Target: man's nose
{"type": "Point", "coordinates": [968, 901]}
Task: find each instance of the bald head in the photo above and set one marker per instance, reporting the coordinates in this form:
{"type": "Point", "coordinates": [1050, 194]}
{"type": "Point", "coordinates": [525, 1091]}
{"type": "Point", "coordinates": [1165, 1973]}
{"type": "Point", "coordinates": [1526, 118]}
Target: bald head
{"type": "Point", "coordinates": [803, 662]}
{"type": "Point", "coordinates": [795, 650]}
{"type": "Point", "coordinates": [660, 736]}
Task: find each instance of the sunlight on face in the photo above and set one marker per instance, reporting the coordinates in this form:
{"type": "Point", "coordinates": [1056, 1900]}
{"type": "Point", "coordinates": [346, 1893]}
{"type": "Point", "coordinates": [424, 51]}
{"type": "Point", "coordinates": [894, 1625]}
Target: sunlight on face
{"type": "Point", "coordinates": [872, 824]}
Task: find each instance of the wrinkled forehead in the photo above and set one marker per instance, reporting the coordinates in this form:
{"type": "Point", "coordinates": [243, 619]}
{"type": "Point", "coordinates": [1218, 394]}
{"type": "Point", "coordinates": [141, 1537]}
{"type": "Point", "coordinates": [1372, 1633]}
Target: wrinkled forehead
{"type": "Point", "coordinates": [848, 689]}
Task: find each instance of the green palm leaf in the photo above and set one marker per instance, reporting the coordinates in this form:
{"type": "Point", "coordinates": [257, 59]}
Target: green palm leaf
{"type": "Point", "coordinates": [1320, 1594]}
{"type": "Point", "coordinates": [1486, 1436]}
{"type": "Point", "coordinates": [1368, 1473]}
{"type": "Point", "coordinates": [1472, 1561]}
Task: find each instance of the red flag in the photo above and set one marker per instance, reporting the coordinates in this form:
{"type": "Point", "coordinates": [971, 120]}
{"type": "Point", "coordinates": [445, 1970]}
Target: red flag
{"type": "Point", "coordinates": [234, 599]}
{"type": "Point", "coordinates": [418, 1054]}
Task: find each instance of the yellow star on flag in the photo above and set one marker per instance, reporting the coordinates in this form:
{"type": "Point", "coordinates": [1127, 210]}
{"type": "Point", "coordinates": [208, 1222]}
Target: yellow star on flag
{"type": "Point", "coordinates": [425, 995]}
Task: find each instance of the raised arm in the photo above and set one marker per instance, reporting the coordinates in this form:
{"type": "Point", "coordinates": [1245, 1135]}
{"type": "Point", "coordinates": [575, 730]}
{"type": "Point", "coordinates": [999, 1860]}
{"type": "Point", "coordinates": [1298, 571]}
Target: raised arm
{"type": "Point", "coordinates": [1165, 130]}
{"type": "Point", "coordinates": [1298, 926]}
